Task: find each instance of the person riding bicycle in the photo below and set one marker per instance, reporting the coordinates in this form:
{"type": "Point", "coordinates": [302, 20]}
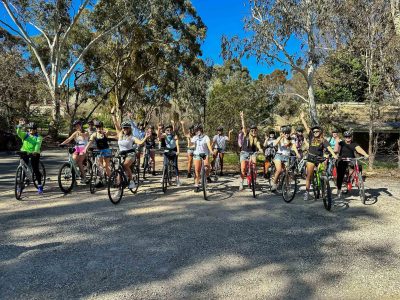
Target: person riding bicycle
{"type": "Point", "coordinates": [334, 139]}
{"type": "Point", "coordinates": [270, 151]}
{"type": "Point", "coordinates": [285, 145]}
{"type": "Point", "coordinates": [138, 131]}
{"type": "Point", "coordinates": [346, 149]}
{"type": "Point", "coordinates": [190, 147]}
{"type": "Point", "coordinates": [317, 146]}
{"type": "Point", "coordinates": [127, 142]}
{"type": "Point", "coordinates": [299, 140]}
{"type": "Point", "coordinates": [150, 145]}
{"type": "Point", "coordinates": [219, 146]}
{"type": "Point", "coordinates": [31, 144]}
{"type": "Point", "coordinates": [81, 139]}
{"type": "Point", "coordinates": [251, 144]}
{"type": "Point", "coordinates": [169, 141]}
{"type": "Point", "coordinates": [202, 149]}
{"type": "Point", "coordinates": [101, 139]}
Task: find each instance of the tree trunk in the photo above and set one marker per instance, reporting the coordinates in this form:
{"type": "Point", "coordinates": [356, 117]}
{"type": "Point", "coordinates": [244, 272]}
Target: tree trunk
{"type": "Point", "coordinates": [311, 96]}
{"type": "Point", "coordinates": [395, 8]}
{"type": "Point", "coordinates": [55, 115]}
{"type": "Point", "coordinates": [371, 150]}
{"type": "Point", "coordinates": [398, 152]}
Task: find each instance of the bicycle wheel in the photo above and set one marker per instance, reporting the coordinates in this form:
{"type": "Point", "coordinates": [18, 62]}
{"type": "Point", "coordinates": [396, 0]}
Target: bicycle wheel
{"type": "Point", "coordinates": [216, 168]}
{"type": "Point", "coordinates": [66, 178]}
{"type": "Point", "coordinates": [165, 180]}
{"type": "Point", "coordinates": [19, 182]}
{"type": "Point", "coordinates": [289, 186]}
{"type": "Point", "coordinates": [271, 175]}
{"type": "Point", "coordinates": [204, 182]}
{"type": "Point", "coordinates": [361, 188]}
{"type": "Point", "coordinates": [94, 181]}
{"type": "Point", "coordinates": [315, 187]}
{"type": "Point", "coordinates": [326, 193]}
{"type": "Point", "coordinates": [42, 171]}
{"type": "Point", "coordinates": [135, 178]}
{"type": "Point", "coordinates": [115, 186]}
{"type": "Point", "coordinates": [145, 165]}
{"type": "Point", "coordinates": [253, 182]}
{"type": "Point", "coordinates": [171, 172]}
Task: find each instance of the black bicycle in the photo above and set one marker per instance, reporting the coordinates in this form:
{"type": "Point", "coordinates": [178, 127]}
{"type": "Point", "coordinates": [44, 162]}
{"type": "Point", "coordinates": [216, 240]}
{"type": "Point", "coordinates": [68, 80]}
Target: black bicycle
{"type": "Point", "coordinates": [118, 180]}
{"type": "Point", "coordinates": [147, 163]}
{"type": "Point", "coordinates": [25, 175]}
{"type": "Point", "coordinates": [217, 166]}
{"type": "Point", "coordinates": [169, 170]}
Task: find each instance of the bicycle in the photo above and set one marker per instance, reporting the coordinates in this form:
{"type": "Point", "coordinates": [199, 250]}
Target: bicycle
{"type": "Point", "coordinates": [69, 170]}
{"type": "Point", "coordinates": [169, 171]}
{"type": "Point", "coordinates": [288, 179]}
{"type": "Point", "coordinates": [217, 165]}
{"type": "Point", "coordinates": [355, 177]}
{"type": "Point", "coordinates": [203, 175]}
{"type": "Point", "coordinates": [98, 175]}
{"type": "Point", "coordinates": [320, 183]}
{"type": "Point", "coordinates": [251, 172]}
{"type": "Point", "coordinates": [25, 175]}
{"type": "Point", "coordinates": [147, 163]}
{"type": "Point", "coordinates": [118, 180]}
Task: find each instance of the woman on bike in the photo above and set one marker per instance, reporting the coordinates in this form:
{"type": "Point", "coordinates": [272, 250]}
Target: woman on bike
{"type": "Point", "coordinates": [81, 139]}
{"type": "Point", "coordinates": [127, 142]}
{"type": "Point", "coordinates": [202, 149]}
{"type": "Point", "coordinates": [317, 146]}
{"type": "Point", "coordinates": [101, 139]}
{"type": "Point", "coordinates": [190, 147]}
{"type": "Point", "coordinates": [250, 145]}
{"type": "Point", "coordinates": [285, 145]}
{"type": "Point", "coordinates": [170, 143]}
{"type": "Point", "coordinates": [150, 145]}
{"type": "Point", "coordinates": [270, 151]}
{"type": "Point", "coordinates": [346, 149]}
{"type": "Point", "coordinates": [219, 146]}
{"type": "Point", "coordinates": [31, 144]}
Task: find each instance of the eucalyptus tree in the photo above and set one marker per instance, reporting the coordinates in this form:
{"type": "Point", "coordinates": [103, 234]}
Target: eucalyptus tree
{"type": "Point", "coordinates": [58, 34]}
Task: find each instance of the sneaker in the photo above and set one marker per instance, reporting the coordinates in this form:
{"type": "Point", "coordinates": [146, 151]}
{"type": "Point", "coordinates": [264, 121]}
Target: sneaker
{"type": "Point", "coordinates": [132, 185]}
{"type": "Point", "coordinates": [221, 173]}
{"type": "Point", "coordinates": [178, 182]}
{"type": "Point", "coordinates": [189, 175]}
{"type": "Point", "coordinates": [209, 180]}
{"type": "Point", "coordinates": [273, 187]}
{"type": "Point", "coordinates": [241, 186]}
{"type": "Point", "coordinates": [305, 197]}
{"type": "Point", "coordinates": [40, 189]}
{"type": "Point", "coordinates": [197, 189]}
{"type": "Point", "coordinates": [339, 194]}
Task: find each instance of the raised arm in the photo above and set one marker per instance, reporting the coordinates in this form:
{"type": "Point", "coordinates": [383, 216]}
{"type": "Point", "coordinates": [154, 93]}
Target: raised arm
{"type": "Point", "coordinates": [159, 134]}
{"type": "Point", "coordinates": [243, 124]}
{"type": "Point", "coordinates": [229, 135]}
{"type": "Point", "coordinates": [142, 141]}
{"type": "Point", "coordinates": [177, 145]}
{"type": "Point", "coordinates": [185, 133]}
{"type": "Point", "coordinates": [303, 120]}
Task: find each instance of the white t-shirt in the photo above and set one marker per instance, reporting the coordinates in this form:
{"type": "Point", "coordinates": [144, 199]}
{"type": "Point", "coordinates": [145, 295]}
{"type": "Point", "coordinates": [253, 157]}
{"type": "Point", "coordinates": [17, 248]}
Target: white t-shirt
{"type": "Point", "coordinates": [126, 142]}
{"type": "Point", "coordinates": [200, 143]}
{"type": "Point", "coordinates": [220, 141]}
{"type": "Point", "coordinates": [284, 147]}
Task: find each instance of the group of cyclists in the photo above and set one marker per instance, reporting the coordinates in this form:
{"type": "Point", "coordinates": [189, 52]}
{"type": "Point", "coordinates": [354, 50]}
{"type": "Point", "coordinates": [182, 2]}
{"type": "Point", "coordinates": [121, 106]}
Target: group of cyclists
{"type": "Point", "coordinates": [133, 138]}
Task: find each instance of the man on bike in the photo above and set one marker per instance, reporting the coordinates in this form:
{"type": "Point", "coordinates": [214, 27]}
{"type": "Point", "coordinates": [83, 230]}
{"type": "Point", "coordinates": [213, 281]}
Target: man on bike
{"type": "Point", "coordinates": [219, 146]}
{"type": "Point", "coordinates": [31, 144]}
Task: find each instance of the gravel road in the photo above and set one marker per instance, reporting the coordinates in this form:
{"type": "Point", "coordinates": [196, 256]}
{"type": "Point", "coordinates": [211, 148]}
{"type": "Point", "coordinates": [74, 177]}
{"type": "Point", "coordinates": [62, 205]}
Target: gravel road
{"type": "Point", "coordinates": [173, 246]}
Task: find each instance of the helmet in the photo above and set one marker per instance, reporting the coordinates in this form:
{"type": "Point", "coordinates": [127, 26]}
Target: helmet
{"type": "Point", "coordinates": [126, 124]}
{"type": "Point", "coordinates": [98, 123]}
{"type": "Point", "coordinates": [220, 128]}
{"type": "Point", "coordinates": [316, 127]}
{"type": "Point", "coordinates": [335, 130]}
{"type": "Point", "coordinates": [151, 127]}
{"type": "Point", "coordinates": [91, 122]}
{"type": "Point", "coordinates": [286, 129]}
{"type": "Point", "coordinates": [198, 127]}
{"type": "Point", "coordinates": [347, 134]}
{"type": "Point", "coordinates": [169, 126]}
{"type": "Point", "coordinates": [253, 126]}
{"type": "Point", "coordinates": [140, 124]}
{"type": "Point", "coordinates": [299, 129]}
{"type": "Point", "coordinates": [271, 131]}
{"type": "Point", "coordinates": [192, 127]}
{"type": "Point", "coordinates": [31, 125]}
{"type": "Point", "coordinates": [77, 122]}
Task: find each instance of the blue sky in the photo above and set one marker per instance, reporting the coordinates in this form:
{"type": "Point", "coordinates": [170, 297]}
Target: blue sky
{"type": "Point", "coordinates": [225, 17]}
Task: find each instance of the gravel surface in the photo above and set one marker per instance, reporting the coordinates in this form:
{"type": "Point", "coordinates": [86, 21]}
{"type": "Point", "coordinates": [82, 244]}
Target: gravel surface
{"type": "Point", "coordinates": [172, 246]}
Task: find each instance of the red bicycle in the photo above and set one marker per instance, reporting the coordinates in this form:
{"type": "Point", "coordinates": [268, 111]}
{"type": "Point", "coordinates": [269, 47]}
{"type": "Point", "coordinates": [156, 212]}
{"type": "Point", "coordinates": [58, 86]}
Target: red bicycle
{"type": "Point", "coordinates": [354, 177]}
{"type": "Point", "coordinates": [251, 173]}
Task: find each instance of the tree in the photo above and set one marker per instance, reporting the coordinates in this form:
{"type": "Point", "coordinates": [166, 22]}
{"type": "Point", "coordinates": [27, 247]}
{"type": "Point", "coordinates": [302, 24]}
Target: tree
{"type": "Point", "coordinates": [53, 23]}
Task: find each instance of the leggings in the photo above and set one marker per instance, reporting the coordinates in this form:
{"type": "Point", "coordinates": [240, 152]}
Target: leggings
{"type": "Point", "coordinates": [35, 165]}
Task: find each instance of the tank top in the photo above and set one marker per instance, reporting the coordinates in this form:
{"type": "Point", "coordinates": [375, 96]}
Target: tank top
{"type": "Point", "coordinates": [102, 143]}
{"type": "Point", "coordinates": [247, 146]}
{"type": "Point", "coordinates": [284, 147]}
{"type": "Point", "coordinates": [126, 142]}
{"type": "Point", "coordinates": [170, 143]}
{"type": "Point", "coordinates": [80, 140]}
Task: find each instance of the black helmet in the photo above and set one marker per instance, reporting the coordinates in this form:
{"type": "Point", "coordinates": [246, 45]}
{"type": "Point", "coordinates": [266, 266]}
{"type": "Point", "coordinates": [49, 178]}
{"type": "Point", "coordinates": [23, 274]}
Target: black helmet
{"type": "Point", "coordinates": [31, 125]}
{"type": "Point", "coordinates": [253, 126]}
{"type": "Point", "coordinates": [271, 131]}
{"type": "Point", "coordinates": [77, 122]}
{"type": "Point", "coordinates": [220, 128]}
{"type": "Point", "coordinates": [299, 129]}
{"type": "Point", "coordinates": [126, 124]}
{"type": "Point", "coordinates": [347, 134]}
{"type": "Point", "coordinates": [286, 129]}
{"type": "Point", "coordinates": [198, 127]}
{"type": "Point", "coordinates": [316, 127]}
{"type": "Point", "coordinates": [98, 123]}
{"type": "Point", "coordinates": [169, 126]}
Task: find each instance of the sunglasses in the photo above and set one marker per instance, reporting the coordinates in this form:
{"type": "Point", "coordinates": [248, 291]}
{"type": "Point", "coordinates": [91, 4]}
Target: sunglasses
{"type": "Point", "coordinates": [316, 131]}
{"type": "Point", "coordinates": [347, 137]}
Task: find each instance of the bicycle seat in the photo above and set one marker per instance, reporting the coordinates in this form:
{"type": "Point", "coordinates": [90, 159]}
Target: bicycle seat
{"type": "Point", "coordinates": [71, 150]}
{"type": "Point", "coordinates": [20, 153]}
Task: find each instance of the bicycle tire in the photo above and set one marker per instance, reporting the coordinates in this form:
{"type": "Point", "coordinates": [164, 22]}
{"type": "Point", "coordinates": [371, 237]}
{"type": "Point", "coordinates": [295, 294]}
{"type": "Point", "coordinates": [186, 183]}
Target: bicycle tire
{"type": "Point", "coordinates": [271, 174]}
{"type": "Point", "coordinates": [145, 165]}
{"type": "Point", "coordinates": [204, 182]}
{"type": "Point", "coordinates": [286, 185]}
{"type": "Point", "coordinates": [171, 169]}
{"type": "Point", "coordinates": [361, 188]}
{"type": "Point", "coordinates": [136, 179]}
{"type": "Point", "coordinates": [316, 190]}
{"type": "Point", "coordinates": [43, 172]}
{"type": "Point", "coordinates": [66, 172]}
{"type": "Point", "coordinates": [115, 187]}
{"type": "Point", "coordinates": [253, 182]}
{"type": "Point", "coordinates": [93, 180]}
{"type": "Point", "coordinates": [19, 182]}
{"type": "Point", "coordinates": [164, 183]}
{"type": "Point", "coordinates": [326, 193]}
{"type": "Point", "coordinates": [216, 167]}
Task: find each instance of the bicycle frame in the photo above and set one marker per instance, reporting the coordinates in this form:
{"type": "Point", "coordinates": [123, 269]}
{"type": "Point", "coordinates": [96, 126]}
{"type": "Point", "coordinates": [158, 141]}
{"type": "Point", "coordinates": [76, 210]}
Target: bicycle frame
{"type": "Point", "coordinates": [251, 167]}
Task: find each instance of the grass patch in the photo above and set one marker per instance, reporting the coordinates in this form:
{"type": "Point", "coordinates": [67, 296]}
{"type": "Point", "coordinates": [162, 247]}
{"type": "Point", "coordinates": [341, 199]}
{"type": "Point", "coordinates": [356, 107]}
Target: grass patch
{"type": "Point", "coordinates": [387, 165]}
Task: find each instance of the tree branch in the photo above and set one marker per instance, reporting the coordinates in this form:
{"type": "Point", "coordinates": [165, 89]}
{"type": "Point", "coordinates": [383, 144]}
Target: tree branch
{"type": "Point", "coordinates": [74, 21]}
